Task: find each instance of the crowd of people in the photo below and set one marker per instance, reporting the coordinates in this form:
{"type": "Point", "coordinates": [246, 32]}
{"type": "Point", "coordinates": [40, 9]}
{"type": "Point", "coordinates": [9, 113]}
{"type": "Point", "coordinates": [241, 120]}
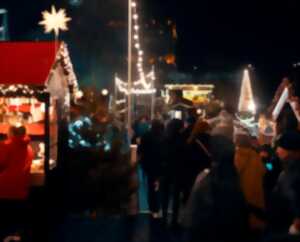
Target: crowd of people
{"type": "Point", "coordinates": [218, 186]}
{"type": "Point", "coordinates": [222, 187]}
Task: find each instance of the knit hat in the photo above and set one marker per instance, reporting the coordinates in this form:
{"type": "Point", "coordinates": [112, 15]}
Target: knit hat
{"type": "Point", "coordinates": [289, 141]}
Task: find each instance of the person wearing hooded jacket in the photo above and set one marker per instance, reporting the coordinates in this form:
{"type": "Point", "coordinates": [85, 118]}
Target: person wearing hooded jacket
{"type": "Point", "coordinates": [16, 156]}
{"type": "Point", "coordinates": [15, 162]}
{"type": "Point", "coordinates": [150, 152]}
{"type": "Point", "coordinates": [216, 210]}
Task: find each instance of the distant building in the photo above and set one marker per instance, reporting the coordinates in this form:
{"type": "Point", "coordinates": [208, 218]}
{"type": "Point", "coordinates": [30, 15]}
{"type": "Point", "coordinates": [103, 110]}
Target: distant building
{"type": "Point", "coordinates": [3, 25]}
{"type": "Point", "coordinates": [160, 39]}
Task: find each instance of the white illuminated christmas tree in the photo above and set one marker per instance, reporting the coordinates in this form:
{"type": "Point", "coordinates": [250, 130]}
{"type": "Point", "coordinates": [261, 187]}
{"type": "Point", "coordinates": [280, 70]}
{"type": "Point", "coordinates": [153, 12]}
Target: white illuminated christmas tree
{"type": "Point", "coordinates": [246, 102]}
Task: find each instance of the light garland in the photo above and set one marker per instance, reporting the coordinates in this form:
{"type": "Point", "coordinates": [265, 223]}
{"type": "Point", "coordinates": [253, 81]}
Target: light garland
{"type": "Point", "coordinates": [121, 101]}
{"type": "Point", "coordinates": [147, 87]}
{"type": "Point", "coordinates": [21, 90]}
{"type": "Point", "coordinates": [246, 101]}
{"type": "Point", "coordinates": [122, 86]}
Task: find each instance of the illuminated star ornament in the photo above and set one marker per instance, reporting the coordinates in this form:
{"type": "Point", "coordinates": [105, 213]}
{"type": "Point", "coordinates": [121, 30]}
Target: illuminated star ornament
{"type": "Point", "coordinates": [55, 21]}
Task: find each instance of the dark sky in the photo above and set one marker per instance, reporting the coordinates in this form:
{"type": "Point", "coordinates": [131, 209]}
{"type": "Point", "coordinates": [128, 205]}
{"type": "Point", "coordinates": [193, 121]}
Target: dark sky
{"type": "Point", "coordinates": [219, 37]}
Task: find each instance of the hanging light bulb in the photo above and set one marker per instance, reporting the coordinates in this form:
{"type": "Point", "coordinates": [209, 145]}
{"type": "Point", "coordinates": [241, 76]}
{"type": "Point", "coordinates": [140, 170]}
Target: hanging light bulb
{"type": "Point", "coordinates": [135, 16]}
{"type": "Point", "coordinates": [136, 37]}
{"type": "Point", "coordinates": [137, 45]}
{"type": "Point", "coordinates": [141, 52]}
{"type": "Point", "coordinates": [133, 4]}
{"type": "Point", "coordinates": [136, 27]}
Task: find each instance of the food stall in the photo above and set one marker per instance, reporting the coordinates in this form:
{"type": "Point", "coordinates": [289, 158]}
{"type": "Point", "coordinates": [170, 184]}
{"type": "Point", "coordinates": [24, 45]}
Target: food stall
{"type": "Point", "coordinates": [196, 93]}
{"type": "Point", "coordinates": [37, 83]}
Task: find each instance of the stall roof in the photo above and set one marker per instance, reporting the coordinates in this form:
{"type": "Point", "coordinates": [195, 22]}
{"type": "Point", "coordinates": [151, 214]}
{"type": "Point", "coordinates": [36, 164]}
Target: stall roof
{"type": "Point", "coordinates": [27, 63]}
{"type": "Point", "coordinates": [284, 94]}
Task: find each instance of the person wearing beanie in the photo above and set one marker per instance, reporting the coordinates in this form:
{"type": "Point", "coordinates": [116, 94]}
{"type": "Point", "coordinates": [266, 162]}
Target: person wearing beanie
{"type": "Point", "coordinates": [285, 209]}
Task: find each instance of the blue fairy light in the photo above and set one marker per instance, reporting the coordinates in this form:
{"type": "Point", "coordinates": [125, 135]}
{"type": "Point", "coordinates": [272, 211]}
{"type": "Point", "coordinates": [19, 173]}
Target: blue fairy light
{"type": "Point", "coordinates": [269, 166]}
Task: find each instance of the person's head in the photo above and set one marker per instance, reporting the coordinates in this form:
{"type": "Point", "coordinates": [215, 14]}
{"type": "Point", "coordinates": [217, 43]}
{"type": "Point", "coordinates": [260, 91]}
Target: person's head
{"type": "Point", "coordinates": [157, 127]}
{"type": "Point", "coordinates": [175, 126]}
{"type": "Point", "coordinates": [143, 119]}
{"type": "Point", "coordinates": [201, 127]}
{"type": "Point", "coordinates": [16, 131]}
{"type": "Point", "coordinates": [288, 147]}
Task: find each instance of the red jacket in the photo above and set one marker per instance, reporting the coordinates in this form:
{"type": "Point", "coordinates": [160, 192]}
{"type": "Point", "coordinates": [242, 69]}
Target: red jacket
{"type": "Point", "coordinates": [15, 161]}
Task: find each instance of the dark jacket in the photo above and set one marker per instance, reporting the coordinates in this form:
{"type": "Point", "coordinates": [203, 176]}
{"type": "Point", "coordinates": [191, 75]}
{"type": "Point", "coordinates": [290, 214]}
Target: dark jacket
{"type": "Point", "coordinates": [285, 205]}
{"type": "Point", "coordinates": [174, 157]}
{"type": "Point", "coordinates": [216, 211]}
{"type": "Point", "coordinates": [151, 153]}
{"type": "Point", "coordinates": [197, 157]}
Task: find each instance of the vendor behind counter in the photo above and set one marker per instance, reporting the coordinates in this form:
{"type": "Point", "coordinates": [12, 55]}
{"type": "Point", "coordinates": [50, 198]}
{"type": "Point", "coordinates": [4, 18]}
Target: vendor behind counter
{"type": "Point", "coordinates": [16, 156]}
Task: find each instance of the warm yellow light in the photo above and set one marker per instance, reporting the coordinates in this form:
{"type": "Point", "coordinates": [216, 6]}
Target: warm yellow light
{"type": "Point", "coordinates": [79, 94]}
{"type": "Point", "coordinates": [104, 92]}
{"type": "Point", "coordinates": [133, 4]}
{"type": "Point", "coordinates": [252, 107]}
{"type": "Point", "coordinates": [55, 20]}
{"type": "Point", "coordinates": [135, 16]}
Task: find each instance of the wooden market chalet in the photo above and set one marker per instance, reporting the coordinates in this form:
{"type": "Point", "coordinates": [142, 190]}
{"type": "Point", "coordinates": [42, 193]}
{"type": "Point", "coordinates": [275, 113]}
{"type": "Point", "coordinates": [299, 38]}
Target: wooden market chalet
{"type": "Point", "coordinates": [37, 83]}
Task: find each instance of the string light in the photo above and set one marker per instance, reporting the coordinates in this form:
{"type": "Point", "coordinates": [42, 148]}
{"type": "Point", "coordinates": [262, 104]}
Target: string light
{"type": "Point", "coordinates": [144, 84]}
{"type": "Point", "coordinates": [121, 101]}
{"type": "Point", "coordinates": [122, 87]}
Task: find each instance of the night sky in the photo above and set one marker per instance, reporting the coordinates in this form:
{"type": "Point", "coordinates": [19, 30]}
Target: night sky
{"type": "Point", "coordinates": [216, 39]}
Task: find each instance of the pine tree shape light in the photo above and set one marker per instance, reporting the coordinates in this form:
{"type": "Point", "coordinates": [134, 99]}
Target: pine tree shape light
{"type": "Point", "coordinates": [246, 101]}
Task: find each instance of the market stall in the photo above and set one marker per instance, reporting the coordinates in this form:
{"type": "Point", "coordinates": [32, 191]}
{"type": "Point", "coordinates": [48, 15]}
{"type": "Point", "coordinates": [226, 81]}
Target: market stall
{"type": "Point", "coordinates": [282, 115]}
{"type": "Point", "coordinates": [185, 100]}
{"type": "Point", "coordinates": [36, 86]}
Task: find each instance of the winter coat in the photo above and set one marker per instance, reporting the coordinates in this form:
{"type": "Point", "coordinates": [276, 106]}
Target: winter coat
{"type": "Point", "coordinates": [285, 204]}
{"type": "Point", "coordinates": [197, 157]}
{"type": "Point", "coordinates": [251, 171]}
{"type": "Point", "coordinates": [174, 158]}
{"type": "Point", "coordinates": [216, 210]}
{"type": "Point", "coordinates": [151, 154]}
{"type": "Point", "coordinates": [16, 157]}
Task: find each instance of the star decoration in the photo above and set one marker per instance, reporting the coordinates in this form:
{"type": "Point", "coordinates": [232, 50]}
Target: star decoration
{"type": "Point", "coordinates": [55, 20]}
